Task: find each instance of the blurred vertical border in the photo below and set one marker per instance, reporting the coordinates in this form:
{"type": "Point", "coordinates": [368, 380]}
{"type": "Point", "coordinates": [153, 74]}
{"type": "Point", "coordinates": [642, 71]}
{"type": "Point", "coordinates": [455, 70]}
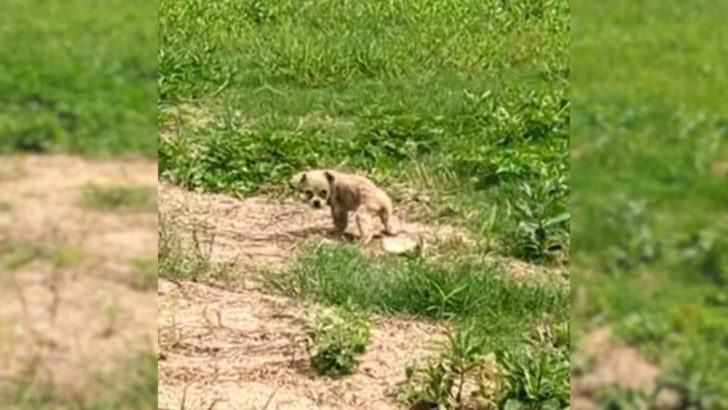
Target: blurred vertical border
{"type": "Point", "coordinates": [78, 145]}
{"type": "Point", "coordinates": [649, 197]}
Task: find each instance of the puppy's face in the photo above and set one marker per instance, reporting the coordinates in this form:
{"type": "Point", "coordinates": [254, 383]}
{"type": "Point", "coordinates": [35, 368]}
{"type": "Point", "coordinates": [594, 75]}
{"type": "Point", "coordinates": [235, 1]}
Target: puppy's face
{"type": "Point", "coordinates": [315, 186]}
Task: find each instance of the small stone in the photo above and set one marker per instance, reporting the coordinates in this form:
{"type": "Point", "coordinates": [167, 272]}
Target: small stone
{"type": "Point", "coordinates": [400, 244]}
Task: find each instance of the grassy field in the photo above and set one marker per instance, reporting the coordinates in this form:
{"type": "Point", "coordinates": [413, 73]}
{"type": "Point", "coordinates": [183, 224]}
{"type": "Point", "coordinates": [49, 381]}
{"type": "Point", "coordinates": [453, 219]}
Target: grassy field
{"type": "Point", "coordinates": [474, 112]}
{"type": "Point", "coordinates": [649, 187]}
{"type": "Point", "coordinates": [460, 105]}
{"type": "Point", "coordinates": [78, 77]}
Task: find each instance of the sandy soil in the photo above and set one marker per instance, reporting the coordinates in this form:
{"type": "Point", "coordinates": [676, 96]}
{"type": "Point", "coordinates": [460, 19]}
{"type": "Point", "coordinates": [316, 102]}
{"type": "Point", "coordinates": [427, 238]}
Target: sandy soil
{"type": "Point", "coordinates": [242, 349]}
{"type": "Point", "coordinates": [76, 321]}
{"type": "Point", "coordinates": [234, 346]}
{"type": "Point", "coordinates": [237, 347]}
{"type": "Point", "coordinates": [264, 231]}
{"type": "Point", "coordinates": [615, 365]}
{"type": "Point", "coordinates": [231, 346]}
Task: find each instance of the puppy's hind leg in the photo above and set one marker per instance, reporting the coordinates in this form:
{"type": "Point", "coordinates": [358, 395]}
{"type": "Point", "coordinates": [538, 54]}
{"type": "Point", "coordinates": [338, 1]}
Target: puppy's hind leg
{"type": "Point", "coordinates": [385, 214]}
{"type": "Point", "coordinates": [363, 222]}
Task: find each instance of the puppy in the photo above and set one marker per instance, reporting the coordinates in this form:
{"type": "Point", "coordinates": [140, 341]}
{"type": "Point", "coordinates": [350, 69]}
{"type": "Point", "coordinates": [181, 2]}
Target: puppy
{"type": "Point", "coordinates": [345, 193]}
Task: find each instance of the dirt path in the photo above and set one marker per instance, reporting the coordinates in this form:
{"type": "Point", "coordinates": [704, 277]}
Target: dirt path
{"type": "Point", "coordinates": [240, 349]}
{"type": "Point", "coordinates": [68, 307]}
{"type": "Point", "coordinates": [264, 231]}
{"type": "Point", "coordinates": [237, 347]}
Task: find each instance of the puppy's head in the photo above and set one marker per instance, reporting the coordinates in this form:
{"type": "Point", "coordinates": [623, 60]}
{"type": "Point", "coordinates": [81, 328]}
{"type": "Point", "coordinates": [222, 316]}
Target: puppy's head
{"type": "Point", "coordinates": [315, 186]}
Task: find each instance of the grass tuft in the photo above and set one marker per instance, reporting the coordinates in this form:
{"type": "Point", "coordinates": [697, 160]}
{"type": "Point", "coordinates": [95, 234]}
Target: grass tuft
{"type": "Point", "coordinates": [16, 254]}
{"type": "Point", "coordinates": [120, 198]}
{"type": "Point", "coordinates": [340, 275]}
{"type": "Point", "coordinates": [187, 257]}
{"type": "Point", "coordinates": [338, 336]}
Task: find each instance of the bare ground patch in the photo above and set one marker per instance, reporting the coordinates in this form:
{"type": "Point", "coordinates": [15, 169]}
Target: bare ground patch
{"type": "Point", "coordinates": [233, 346]}
{"type": "Point", "coordinates": [615, 365]}
{"type": "Point", "coordinates": [265, 231]}
{"type": "Point", "coordinates": [45, 202]}
{"type": "Point", "coordinates": [69, 310]}
{"type": "Point", "coordinates": [240, 349]}
{"type": "Point", "coordinates": [260, 230]}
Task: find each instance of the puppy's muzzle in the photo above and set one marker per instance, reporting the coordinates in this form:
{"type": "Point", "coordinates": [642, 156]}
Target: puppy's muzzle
{"type": "Point", "coordinates": [317, 204]}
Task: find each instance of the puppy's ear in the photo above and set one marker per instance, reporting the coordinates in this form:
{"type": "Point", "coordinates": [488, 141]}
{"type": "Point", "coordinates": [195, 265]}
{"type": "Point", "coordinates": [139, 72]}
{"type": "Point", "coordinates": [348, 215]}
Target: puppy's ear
{"type": "Point", "coordinates": [329, 177]}
{"type": "Point", "coordinates": [298, 179]}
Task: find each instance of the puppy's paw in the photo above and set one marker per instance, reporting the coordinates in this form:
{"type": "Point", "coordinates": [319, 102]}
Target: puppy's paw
{"type": "Point", "coordinates": [390, 229]}
{"type": "Point", "coordinates": [366, 238]}
{"type": "Point", "coordinates": [340, 235]}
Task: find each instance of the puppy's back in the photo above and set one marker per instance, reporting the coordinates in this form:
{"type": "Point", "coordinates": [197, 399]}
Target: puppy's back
{"type": "Point", "coordinates": [363, 189]}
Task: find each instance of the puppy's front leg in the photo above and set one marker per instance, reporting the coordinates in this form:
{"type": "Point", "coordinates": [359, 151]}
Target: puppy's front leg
{"type": "Point", "coordinates": [386, 216]}
{"type": "Point", "coordinates": [341, 218]}
{"type": "Point", "coordinates": [363, 222]}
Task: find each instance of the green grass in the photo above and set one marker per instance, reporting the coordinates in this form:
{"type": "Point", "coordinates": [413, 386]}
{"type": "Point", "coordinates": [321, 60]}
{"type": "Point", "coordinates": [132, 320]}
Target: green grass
{"type": "Point", "coordinates": [64, 256]}
{"type": "Point", "coordinates": [338, 337]}
{"type": "Point", "coordinates": [649, 128]}
{"type": "Point", "coordinates": [185, 255]}
{"type": "Point", "coordinates": [16, 254]}
{"type": "Point", "coordinates": [120, 198]}
{"type": "Point", "coordinates": [460, 291]}
{"type": "Point", "coordinates": [324, 44]}
{"type": "Point", "coordinates": [536, 378]}
{"type": "Point", "coordinates": [525, 325]}
{"type": "Point", "coordinates": [533, 374]}
{"type": "Point", "coordinates": [78, 76]}
{"type": "Point", "coordinates": [467, 100]}
{"type": "Point", "coordinates": [462, 102]}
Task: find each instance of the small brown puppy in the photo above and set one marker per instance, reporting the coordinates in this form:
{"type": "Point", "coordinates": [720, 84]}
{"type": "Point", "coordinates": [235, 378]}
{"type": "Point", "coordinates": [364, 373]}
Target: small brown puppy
{"type": "Point", "coordinates": [345, 193]}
